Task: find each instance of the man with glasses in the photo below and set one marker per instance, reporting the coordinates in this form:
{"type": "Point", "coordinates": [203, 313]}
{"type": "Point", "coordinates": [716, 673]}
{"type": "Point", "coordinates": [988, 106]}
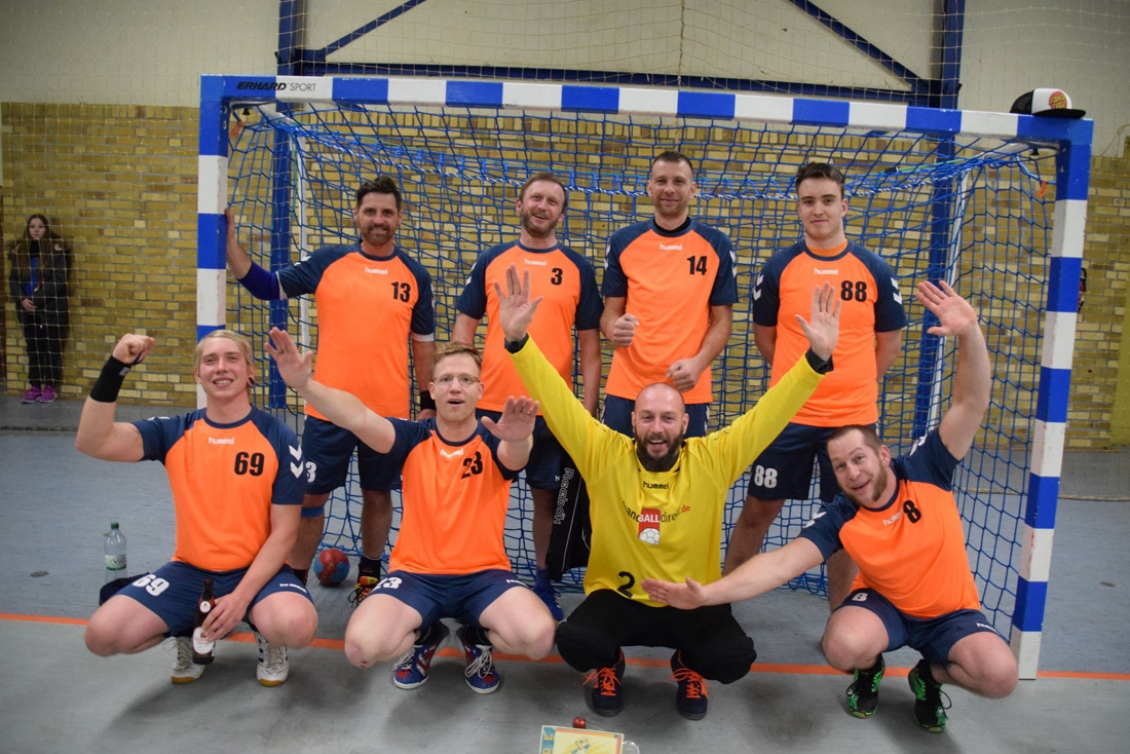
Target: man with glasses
{"type": "Point", "coordinates": [372, 299]}
{"type": "Point", "coordinates": [449, 559]}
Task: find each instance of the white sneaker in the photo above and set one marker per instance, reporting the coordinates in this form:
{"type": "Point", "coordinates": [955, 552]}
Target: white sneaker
{"type": "Point", "coordinates": [184, 669]}
{"type": "Point", "coordinates": [273, 664]}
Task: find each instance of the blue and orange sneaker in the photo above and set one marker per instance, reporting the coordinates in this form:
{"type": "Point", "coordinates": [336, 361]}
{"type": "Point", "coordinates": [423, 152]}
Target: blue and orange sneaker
{"type": "Point", "coordinates": [690, 697]}
{"type": "Point", "coordinates": [411, 670]}
{"type": "Point", "coordinates": [608, 688]}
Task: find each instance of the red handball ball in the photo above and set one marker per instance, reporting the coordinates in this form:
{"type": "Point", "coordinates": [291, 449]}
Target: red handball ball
{"type": "Point", "coordinates": [331, 566]}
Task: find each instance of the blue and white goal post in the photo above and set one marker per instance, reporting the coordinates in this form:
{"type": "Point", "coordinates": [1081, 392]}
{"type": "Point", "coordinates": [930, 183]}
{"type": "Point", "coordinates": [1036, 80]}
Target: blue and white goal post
{"type": "Point", "coordinates": [994, 203]}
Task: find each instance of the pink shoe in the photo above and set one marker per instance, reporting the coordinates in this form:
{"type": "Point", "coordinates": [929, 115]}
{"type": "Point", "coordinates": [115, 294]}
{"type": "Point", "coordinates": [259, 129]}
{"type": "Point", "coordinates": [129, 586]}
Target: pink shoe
{"type": "Point", "coordinates": [48, 394]}
{"type": "Point", "coordinates": [32, 396]}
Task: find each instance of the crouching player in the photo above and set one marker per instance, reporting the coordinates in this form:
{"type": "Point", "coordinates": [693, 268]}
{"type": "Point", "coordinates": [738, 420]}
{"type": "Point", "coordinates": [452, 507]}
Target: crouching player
{"type": "Point", "coordinates": [898, 519]}
{"type": "Point", "coordinates": [237, 479]}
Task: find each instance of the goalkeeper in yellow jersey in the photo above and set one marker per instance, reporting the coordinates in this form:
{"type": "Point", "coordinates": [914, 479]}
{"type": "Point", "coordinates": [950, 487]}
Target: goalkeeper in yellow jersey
{"type": "Point", "coordinates": [657, 502]}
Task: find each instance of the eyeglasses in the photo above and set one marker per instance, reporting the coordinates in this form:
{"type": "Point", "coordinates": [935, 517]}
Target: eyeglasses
{"type": "Point", "coordinates": [466, 380]}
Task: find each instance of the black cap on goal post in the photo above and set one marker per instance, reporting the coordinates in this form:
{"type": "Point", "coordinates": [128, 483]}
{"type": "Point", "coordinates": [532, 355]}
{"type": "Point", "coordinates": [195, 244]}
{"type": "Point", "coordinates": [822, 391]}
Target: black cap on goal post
{"type": "Point", "coordinates": [1046, 103]}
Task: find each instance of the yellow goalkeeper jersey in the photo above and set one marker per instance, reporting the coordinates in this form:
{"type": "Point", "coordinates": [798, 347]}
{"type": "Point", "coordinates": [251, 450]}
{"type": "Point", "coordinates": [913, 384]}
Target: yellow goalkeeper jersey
{"type": "Point", "coordinates": [664, 525]}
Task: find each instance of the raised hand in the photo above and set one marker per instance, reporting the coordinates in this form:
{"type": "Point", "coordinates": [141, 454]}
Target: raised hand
{"type": "Point", "coordinates": [515, 309]}
{"type": "Point", "coordinates": [683, 596]}
{"type": "Point", "coordinates": [517, 420]}
{"type": "Point", "coordinates": [132, 349]}
{"type": "Point", "coordinates": [955, 314]}
{"type": "Point", "coordinates": [823, 327]}
{"type": "Point", "coordinates": [294, 368]}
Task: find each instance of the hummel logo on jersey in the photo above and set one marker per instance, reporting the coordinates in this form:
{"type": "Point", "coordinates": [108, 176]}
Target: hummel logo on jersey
{"type": "Point", "coordinates": [670, 247]}
{"type": "Point", "coordinates": [898, 293]}
{"type": "Point", "coordinates": [757, 286]}
{"type": "Point", "coordinates": [656, 486]}
{"type": "Point", "coordinates": [535, 262]}
{"type": "Point", "coordinates": [819, 514]}
{"type": "Point", "coordinates": [377, 271]}
{"type": "Point", "coordinates": [827, 272]}
{"type": "Point", "coordinates": [456, 454]}
{"type": "Point", "coordinates": [296, 466]}
{"type": "Point", "coordinates": [892, 519]}
{"type": "Point", "coordinates": [221, 441]}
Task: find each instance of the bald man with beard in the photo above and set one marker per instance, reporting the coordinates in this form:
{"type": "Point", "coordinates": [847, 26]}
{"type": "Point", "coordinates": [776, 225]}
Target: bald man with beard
{"type": "Point", "coordinates": [657, 501]}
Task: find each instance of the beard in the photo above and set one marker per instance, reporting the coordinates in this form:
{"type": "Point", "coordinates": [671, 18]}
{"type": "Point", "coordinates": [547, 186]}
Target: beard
{"type": "Point", "coordinates": [528, 225]}
{"type": "Point", "coordinates": [664, 462]}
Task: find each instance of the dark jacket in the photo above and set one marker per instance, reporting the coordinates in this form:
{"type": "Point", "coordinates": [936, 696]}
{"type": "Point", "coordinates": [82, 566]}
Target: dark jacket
{"type": "Point", "coordinates": [52, 292]}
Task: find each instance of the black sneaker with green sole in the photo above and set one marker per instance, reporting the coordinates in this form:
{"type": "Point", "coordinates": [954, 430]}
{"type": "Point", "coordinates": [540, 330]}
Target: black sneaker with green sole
{"type": "Point", "coordinates": [863, 693]}
{"type": "Point", "coordinates": [930, 702]}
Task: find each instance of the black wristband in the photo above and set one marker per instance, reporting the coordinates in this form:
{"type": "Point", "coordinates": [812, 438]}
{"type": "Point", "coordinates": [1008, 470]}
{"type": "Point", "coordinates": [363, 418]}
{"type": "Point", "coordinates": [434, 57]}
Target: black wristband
{"type": "Point", "coordinates": [514, 346]}
{"type": "Point", "coordinates": [819, 365]}
{"type": "Point", "coordinates": [109, 383]}
{"type": "Point", "coordinates": [427, 402]}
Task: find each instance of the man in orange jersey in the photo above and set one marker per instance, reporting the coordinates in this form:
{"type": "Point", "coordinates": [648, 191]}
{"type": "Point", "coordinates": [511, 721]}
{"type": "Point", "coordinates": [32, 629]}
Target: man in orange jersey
{"type": "Point", "coordinates": [567, 284]}
{"type": "Point", "coordinates": [236, 478]}
{"type": "Point", "coordinates": [449, 559]}
{"type": "Point", "coordinates": [669, 293]}
{"type": "Point", "coordinates": [870, 336]}
{"type": "Point", "coordinates": [898, 519]}
{"type": "Point", "coordinates": [372, 300]}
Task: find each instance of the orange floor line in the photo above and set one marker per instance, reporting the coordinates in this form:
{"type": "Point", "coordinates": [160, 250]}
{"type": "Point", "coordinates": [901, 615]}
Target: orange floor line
{"type": "Point", "coordinates": [642, 662]}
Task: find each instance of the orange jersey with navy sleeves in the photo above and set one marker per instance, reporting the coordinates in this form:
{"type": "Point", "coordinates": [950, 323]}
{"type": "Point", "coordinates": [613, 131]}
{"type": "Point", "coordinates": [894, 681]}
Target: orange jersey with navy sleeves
{"type": "Point", "coordinates": [564, 280]}
{"type": "Point", "coordinates": [871, 302]}
{"type": "Point", "coordinates": [224, 479]}
{"type": "Point", "coordinates": [912, 550]}
{"type": "Point", "coordinates": [455, 498]}
{"type": "Point", "coordinates": [368, 307]}
{"type": "Point", "coordinates": [669, 280]}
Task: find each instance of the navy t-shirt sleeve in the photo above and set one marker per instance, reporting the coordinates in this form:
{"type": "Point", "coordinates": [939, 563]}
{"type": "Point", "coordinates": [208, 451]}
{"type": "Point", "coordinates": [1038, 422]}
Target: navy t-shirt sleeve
{"type": "Point", "coordinates": [160, 433]}
{"type": "Point", "coordinates": [473, 300]}
{"type": "Point", "coordinates": [590, 306]}
{"type": "Point", "coordinates": [615, 281]}
{"type": "Point", "coordinates": [725, 290]}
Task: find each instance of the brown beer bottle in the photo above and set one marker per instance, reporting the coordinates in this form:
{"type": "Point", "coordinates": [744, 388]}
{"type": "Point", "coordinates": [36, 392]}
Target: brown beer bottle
{"type": "Point", "coordinates": [203, 652]}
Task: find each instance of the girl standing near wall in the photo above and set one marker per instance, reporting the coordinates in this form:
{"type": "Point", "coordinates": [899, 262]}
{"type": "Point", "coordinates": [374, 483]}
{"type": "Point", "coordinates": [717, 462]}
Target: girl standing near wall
{"type": "Point", "coordinates": [39, 265]}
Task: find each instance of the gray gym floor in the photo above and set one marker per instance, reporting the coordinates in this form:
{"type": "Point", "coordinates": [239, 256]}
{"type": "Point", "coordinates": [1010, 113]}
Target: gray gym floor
{"type": "Point", "coordinates": [57, 697]}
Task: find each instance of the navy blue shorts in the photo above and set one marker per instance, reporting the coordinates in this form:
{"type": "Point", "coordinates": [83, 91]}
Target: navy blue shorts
{"type": "Point", "coordinates": [329, 448]}
{"type": "Point", "coordinates": [933, 637]}
{"type": "Point", "coordinates": [174, 589]}
{"type": "Point", "coordinates": [461, 597]}
{"type": "Point", "coordinates": [543, 470]}
{"type": "Point", "coordinates": [618, 415]}
{"type": "Point", "coordinates": [783, 471]}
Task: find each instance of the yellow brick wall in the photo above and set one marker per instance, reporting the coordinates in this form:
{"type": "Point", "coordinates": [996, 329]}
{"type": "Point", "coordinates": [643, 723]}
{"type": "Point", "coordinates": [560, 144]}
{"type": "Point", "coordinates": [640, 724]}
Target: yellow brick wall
{"type": "Point", "coordinates": [119, 182]}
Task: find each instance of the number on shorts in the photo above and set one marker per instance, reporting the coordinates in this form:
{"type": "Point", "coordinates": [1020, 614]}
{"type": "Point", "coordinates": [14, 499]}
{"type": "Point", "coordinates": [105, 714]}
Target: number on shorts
{"type": "Point", "coordinates": [390, 582]}
{"type": "Point", "coordinates": [153, 584]}
{"type": "Point", "coordinates": [311, 471]}
{"type": "Point", "coordinates": [765, 477]}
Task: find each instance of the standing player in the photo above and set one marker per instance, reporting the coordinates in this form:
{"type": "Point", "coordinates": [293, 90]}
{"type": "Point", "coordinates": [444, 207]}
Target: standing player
{"type": "Point", "coordinates": [870, 336]}
{"type": "Point", "coordinates": [372, 299]}
{"type": "Point", "coordinates": [669, 294]}
{"type": "Point", "coordinates": [898, 520]}
{"type": "Point", "coordinates": [449, 559]}
{"type": "Point", "coordinates": [236, 477]}
{"type": "Point", "coordinates": [657, 506]}
{"type": "Point", "coordinates": [567, 283]}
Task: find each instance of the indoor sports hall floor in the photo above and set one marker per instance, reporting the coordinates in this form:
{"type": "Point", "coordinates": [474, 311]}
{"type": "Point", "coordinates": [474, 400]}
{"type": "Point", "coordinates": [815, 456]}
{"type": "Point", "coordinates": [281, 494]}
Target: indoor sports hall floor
{"type": "Point", "coordinates": [56, 697]}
